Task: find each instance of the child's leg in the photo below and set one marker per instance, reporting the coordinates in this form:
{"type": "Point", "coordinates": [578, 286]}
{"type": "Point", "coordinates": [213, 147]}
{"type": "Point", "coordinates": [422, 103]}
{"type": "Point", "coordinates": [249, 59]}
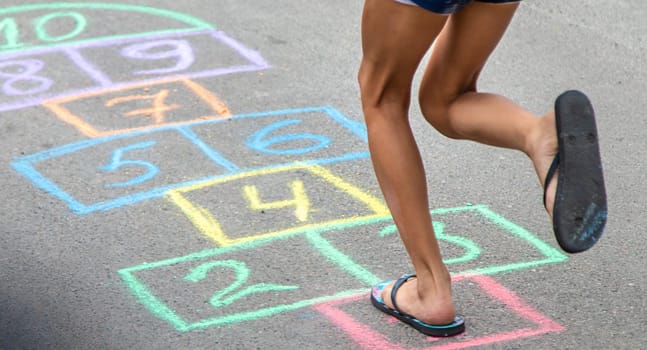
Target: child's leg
{"type": "Point", "coordinates": [394, 40]}
{"type": "Point", "coordinates": [395, 37]}
{"type": "Point", "coordinates": [449, 100]}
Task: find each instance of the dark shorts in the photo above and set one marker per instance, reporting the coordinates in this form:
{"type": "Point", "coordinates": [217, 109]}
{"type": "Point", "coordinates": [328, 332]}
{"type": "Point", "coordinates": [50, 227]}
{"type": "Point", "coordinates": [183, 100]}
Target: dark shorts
{"type": "Point", "coordinates": [450, 6]}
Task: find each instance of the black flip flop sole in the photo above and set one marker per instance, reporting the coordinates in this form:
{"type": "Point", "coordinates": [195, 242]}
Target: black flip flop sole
{"type": "Point", "coordinates": [456, 327]}
{"type": "Point", "coordinates": [580, 210]}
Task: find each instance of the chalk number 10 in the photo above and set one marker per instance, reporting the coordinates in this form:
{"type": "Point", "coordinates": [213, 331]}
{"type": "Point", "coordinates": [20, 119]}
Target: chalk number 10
{"type": "Point", "coordinates": [10, 32]}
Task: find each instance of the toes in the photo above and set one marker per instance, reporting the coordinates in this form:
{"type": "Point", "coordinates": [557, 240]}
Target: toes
{"type": "Point", "coordinates": [386, 294]}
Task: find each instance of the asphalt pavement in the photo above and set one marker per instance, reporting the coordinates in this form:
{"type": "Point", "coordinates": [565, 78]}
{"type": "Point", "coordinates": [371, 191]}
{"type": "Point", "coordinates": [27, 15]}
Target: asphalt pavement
{"type": "Point", "coordinates": [195, 175]}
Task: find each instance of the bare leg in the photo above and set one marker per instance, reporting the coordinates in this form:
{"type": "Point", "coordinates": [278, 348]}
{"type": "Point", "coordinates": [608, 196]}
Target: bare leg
{"type": "Point", "coordinates": [449, 100]}
{"type": "Point", "coordinates": [395, 37]}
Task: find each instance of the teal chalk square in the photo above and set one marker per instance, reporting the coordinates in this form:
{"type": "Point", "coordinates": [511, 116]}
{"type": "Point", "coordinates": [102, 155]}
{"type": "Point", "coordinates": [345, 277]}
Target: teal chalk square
{"type": "Point", "coordinates": [473, 240]}
{"type": "Point", "coordinates": [241, 283]}
{"type": "Point", "coordinates": [262, 278]}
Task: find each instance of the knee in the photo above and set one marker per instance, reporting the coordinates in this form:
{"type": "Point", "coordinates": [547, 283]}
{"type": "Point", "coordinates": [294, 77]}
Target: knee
{"type": "Point", "coordinates": [368, 90]}
{"type": "Point", "coordinates": [383, 92]}
{"type": "Point", "coordinates": [436, 113]}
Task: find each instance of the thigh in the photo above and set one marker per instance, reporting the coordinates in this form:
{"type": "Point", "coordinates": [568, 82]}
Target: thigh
{"type": "Point", "coordinates": [463, 47]}
{"type": "Point", "coordinates": [438, 6]}
{"type": "Point", "coordinates": [395, 37]}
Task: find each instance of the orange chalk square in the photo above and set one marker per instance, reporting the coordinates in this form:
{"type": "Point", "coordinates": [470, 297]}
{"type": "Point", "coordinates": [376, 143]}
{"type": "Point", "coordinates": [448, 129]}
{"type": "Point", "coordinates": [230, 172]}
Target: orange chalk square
{"type": "Point", "coordinates": [136, 107]}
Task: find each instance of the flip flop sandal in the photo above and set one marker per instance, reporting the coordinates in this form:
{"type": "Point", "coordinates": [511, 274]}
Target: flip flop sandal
{"type": "Point", "coordinates": [580, 210]}
{"type": "Point", "coordinates": [447, 330]}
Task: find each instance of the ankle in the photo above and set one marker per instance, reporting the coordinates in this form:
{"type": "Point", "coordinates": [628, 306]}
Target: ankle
{"type": "Point", "coordinates": [542, 140]}
{"type": "Point", "coordinates": [437, 284]}
{"type": "Point", "coordinates": [533, 144]}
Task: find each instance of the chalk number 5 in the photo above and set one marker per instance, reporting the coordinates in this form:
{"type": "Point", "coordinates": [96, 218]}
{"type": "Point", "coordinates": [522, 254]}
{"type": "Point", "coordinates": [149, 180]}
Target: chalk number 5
{"type": "Point", "coordinates": [117, 161]}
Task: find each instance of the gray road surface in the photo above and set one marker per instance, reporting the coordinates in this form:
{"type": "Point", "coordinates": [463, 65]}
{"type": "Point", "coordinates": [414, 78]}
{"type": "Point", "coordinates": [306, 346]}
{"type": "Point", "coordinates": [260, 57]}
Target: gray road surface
{"type": "Point", "coordinates": [194, 175]}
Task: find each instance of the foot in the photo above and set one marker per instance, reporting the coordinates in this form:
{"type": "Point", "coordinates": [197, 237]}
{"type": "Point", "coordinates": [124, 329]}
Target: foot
{"type": "Point", "coordinates": [432, 305]}
{"type": "Point", "coordinates": [543, 150]}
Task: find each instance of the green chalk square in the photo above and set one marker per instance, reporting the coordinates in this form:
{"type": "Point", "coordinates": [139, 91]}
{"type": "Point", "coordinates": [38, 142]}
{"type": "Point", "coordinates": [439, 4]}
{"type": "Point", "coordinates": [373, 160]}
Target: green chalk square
{"type": "Point", "coordinates": [180, 290]}
{"type": "Point", "coordinates": [473, 240]}
{"type": "Point", "coordinates": [352, 247]}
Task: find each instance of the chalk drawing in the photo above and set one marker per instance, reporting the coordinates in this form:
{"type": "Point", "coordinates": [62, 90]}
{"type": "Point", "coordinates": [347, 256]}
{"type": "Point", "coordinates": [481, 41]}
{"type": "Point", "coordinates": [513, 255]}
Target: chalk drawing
{"type": "Point", "coordinates": [9, 27]}
{"type": "Point", "coordinates": [11, 32]}
{"type": "Point", "coordinates": [25, 74]}
{"type": "Point", "coordinates": [175, 301]}
{"type": "Point", "coordinates": [124, 163]}
{"type": "Point", "coordinates": [300, 201]}
{"type": "Point", "coordinates": [261, 142]}
{"type": "Point", "coordinates": [368, 338]}
{"type": "Point", "coordinates": [40, 26]}
{"type": "Point", "coordinates": [206, 222]}
{"type": "Point", "coordinates": [327, 252]}
{"type": "Point", "coordinates": [180, 50]}
{"type": "Point", "coordinates": [471, 255]}
{"type": "Point", "coordinates": [208, 106]}
{"type": "Point", "coordinates": [472, 250]}
{"type": "Point", "coordinates": [212, 162]}
{"type": "Point", "coordinates": [229, 295]}
{"type": "Point", "coordinates": [156, 111]}
{"type": "Point", "coordinates": [140, 60]}
{"type": "Point", "coordinates": [117, 162]}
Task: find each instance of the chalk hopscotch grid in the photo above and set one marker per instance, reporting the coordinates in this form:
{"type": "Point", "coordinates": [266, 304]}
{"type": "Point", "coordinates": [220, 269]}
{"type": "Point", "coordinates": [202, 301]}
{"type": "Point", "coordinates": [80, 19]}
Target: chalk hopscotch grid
{"type": "Point", "coordinates": [161, 309]}
{"type": "Point", "coordinates": [210, 227]}
{"type": "Point", "coordinates": [207, 98]}
{"type": "Point", "coordinates": [192, 23]}
{"type": "Point", "coordinates": [73, 51]}
{"type": "Point", "coordinates": [26, 165]}
{"type": "Point", "coordinates": [370, 339]}
{"type": "Point", "coordinates": [548, 254]}
{"type": "Point", "coordinates": [345, 263]}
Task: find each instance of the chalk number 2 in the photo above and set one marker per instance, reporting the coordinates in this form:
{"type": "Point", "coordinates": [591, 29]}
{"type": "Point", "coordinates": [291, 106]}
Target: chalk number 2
{"type": "Point", "coordinates": [234, 291]}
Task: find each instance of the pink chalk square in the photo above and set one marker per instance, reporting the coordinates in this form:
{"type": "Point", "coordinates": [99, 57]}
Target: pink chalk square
{"type": "Point", "coordinates": [533, 323]}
